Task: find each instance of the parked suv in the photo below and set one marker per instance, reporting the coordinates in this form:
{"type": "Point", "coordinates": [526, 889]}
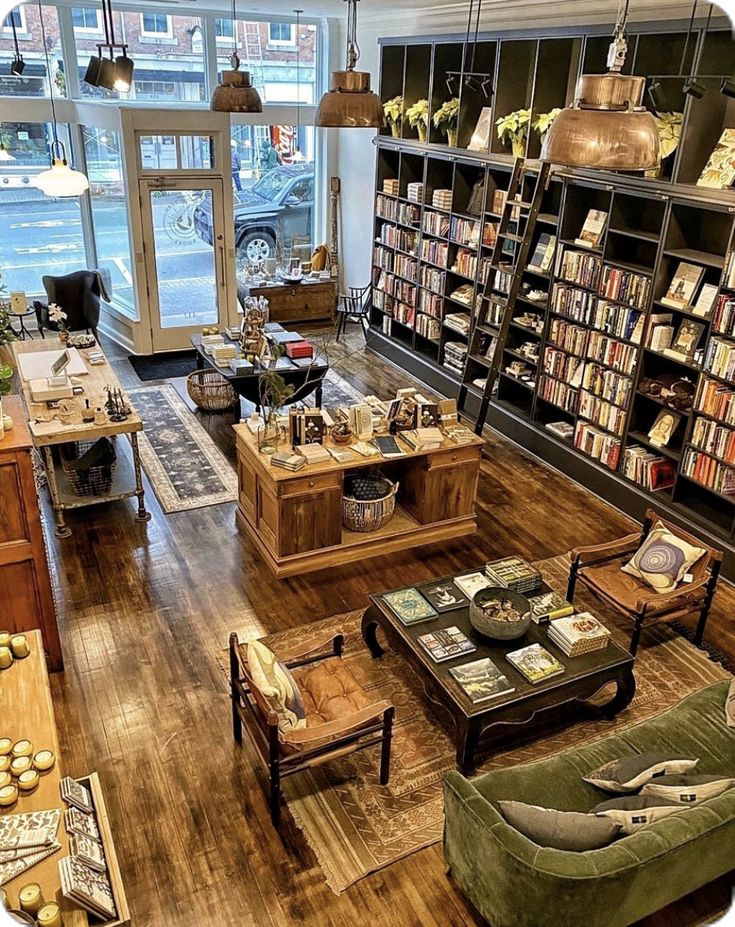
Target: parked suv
{"type": "Point", "coordinates": [280, 203]}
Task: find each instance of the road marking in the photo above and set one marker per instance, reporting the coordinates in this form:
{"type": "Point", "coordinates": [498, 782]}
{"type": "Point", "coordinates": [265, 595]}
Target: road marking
{"type": "Point", "coordinates": [50, 249]}
{"type": "Point", "coordinates": [45, 224]}
{"type": "Point", "coordinates": [120, 264]}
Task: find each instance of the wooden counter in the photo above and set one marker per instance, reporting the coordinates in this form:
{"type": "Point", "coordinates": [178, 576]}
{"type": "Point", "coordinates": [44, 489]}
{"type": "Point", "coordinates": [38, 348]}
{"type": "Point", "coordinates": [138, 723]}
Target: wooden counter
{"type": "Point", "coordinates": [295, 519]}
{"type": "Point", "coordinates": [302, 302]}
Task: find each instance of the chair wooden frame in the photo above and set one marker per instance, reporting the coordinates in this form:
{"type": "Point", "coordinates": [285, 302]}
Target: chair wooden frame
{"type": "Point", "coordinates": [285, 754]}
{"type": "Point", "coordinates": [651, 608]}
{"type": "Point", "coordinates": [355, 303]}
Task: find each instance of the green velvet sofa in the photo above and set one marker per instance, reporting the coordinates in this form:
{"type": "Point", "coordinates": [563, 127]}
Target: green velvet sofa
{"type": "Point", "coordinates": [515, 883]}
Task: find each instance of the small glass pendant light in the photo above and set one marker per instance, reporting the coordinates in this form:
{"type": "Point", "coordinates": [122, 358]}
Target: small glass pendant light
{"type": "Point", "coordinates": [60, 180]}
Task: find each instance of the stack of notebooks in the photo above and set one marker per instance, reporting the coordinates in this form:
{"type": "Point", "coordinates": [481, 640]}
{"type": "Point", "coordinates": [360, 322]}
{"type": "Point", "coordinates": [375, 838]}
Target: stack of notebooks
{"type": "Point", "coordinates": [578, 634]}
{"type": "Point", "coordinates": [26, 839]}
{"type": "Point", "coordinates": [222, 354]}
{"type": "Point", "coordinates": [442, 199]}
{"type": "Point", "coordinates": [287, 460]}
{"type": "Point", "coordinates": [423, 439]}
{"type": "Point", "coordinates": [391, 186]}
{"type": "Point", "coordinates": [515, 574]}
{"type": "Point", "coordinates": [314, 453]}
{"type": "Point", "coordinates": [415, 192]}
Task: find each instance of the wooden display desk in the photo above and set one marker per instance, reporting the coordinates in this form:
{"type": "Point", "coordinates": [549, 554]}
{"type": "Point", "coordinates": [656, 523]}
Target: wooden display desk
{"type": "Point", "coordinates": [301, 302]}
{"type": "Point", "coordinates": [295, 519]}
{"type": "Point", "coordinates": [28, 712]}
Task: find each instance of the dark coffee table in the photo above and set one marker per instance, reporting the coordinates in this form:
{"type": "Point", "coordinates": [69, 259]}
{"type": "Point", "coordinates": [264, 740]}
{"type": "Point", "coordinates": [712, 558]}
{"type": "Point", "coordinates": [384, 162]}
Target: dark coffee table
{"type": "Point", "coordinates": [305, 380]}
{"type": "Point", "coordinates": [584, 677]}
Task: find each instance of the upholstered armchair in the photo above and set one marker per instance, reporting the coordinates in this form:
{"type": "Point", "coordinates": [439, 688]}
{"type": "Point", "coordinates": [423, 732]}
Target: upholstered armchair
{"type": "Point", "coordinates": [353, 306]}
{"type": "Point", "coordinates": [341, 717]}
{"type": "Point", "coordinates": [79, 294]}
{"type": "Point", "coordinates": [600, 569]}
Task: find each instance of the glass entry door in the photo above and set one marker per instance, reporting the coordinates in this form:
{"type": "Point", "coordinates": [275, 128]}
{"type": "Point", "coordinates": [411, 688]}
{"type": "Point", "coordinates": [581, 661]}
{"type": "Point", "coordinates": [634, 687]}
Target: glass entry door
{"type": "Point", "coordinates": [184, 258]}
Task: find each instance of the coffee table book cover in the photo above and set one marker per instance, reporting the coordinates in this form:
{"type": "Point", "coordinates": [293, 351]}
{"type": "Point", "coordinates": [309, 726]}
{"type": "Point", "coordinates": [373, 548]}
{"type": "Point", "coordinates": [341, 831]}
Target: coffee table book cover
{"type": "Point", "coordinates": [409, 606]}
{"type": "Point", "coordinates": [535, 663]}
{"type": "Point", "coordinates": [481, 680]}
{"type": "Point", "coordinates": [446, 644]}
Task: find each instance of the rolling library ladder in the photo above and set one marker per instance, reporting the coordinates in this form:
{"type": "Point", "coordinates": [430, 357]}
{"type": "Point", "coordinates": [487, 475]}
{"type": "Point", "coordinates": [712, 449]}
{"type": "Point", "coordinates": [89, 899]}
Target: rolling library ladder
{"type": "Point", "coordinates": [502, 286]}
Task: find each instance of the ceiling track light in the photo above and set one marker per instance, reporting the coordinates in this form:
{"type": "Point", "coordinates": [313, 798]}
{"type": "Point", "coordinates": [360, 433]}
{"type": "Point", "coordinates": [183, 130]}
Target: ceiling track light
{"type": "Point", "coordinates": [17, 65]}
{"type": "Point", "coordinates": [236, 93]}
{"type": "Point", "coordinates": [727, 87]}
{"type": "Point", "coordinates": [607, 127]}
{"type": "Point", "coordinates": [472, 79]}
{"type": "Point", "coordinates": [692, 87]}
{"type": "Point", "coordinates": [350, 103]}
{"type": "Point", "coordinates": [115, 72]}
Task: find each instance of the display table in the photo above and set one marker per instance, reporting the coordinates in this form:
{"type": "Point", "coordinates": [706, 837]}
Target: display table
{"type": "Point", "coordinates": [303, 302]}
{"type": "Point", "coordinates": [128, 479]}
{"type": "Point", "coordinates": [25, 582]}
{"type": "Point", "coordinates": [295, 519]}
{"type": "Point", "coordinates": [28, 712]}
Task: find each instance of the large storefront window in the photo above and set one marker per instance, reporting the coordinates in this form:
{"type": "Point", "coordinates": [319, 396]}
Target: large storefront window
{"type": "Point", "coordinates": [38, 235]}
{"type": "Point", "coordinates": [109, 213]}
{"type": "Point", "coordinates": [33, 81]}
{"type": "Point", "coordinates": [168, 52]}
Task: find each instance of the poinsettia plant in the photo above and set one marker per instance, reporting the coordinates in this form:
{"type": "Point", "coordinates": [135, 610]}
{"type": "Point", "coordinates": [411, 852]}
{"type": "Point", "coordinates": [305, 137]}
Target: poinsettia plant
{"type": "Point", "coordinates": [545, 121]}
{"type": "Point", "coordinates": [513, 129]}
{"type": "Point", "coordinates": [393, 110]}
{"type": "Point", "coordinates": [418, 118]}
{"type": "Point", "coordinates": [669, 131]}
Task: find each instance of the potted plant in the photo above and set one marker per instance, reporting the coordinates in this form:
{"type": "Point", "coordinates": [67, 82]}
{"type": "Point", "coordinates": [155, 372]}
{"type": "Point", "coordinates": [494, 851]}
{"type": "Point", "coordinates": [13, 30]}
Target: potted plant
{"type": "Point", "coordinates": [393, 110]}
{"type": "Point", "coordinates": [418, 118]}
{"type": "Point", "coordinates": [669, 132]}
{"type": "Point", "coordinates": [446, 120]}
{"type": "Point", "coordinates": [513, 128]}
{"type": "Point", "coordinates": [57, 315]}
{"type": "Point", "coordinates": [545, 121]}
{"type": "Point", "coordinates": [274, 394]}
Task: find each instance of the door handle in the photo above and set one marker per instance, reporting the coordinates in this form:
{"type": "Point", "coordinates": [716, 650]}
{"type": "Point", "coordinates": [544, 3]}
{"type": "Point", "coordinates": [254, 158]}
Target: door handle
{"type": "Point", "coordinates": [222, 264]}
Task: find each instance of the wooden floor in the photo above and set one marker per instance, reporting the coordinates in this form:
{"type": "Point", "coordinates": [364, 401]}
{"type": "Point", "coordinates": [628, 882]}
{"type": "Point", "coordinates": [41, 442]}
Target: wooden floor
{"type": "Point", "coordinates": [144, 610]}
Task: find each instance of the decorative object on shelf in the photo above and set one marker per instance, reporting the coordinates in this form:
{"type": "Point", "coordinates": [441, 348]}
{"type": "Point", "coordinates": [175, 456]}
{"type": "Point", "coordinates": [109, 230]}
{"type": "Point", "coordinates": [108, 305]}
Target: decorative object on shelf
{"type": "Point", "coordinates": [418, 118]}
{"type": "Point", "coordinates": [60, 180]}
{"type": "Point", "coordinates": [113, 73]}
{"type": "Point", "coordinates": [499, 613]}
{"type": "Point", "coordinates": [368, 503]}
{"type": "Point", "coordinates": [545, 121]}
{"type": "Point", "coordinates": [210, 391]}
{"type": "Point", "coordinates": [663, 428]}
{"type": "Point", "coordinates": [684, 285]}
{"type": "Point", "coordinates": [607, 127]}
{"type": "Point", "coordinates": [236, 93]}
{"type": "Point", "coordinates": [669, 127]}
{"type": "Point", "coordinates": [446, 120]}
{"type": "Point", "coordinates": [482, 136]}
{"type": "Point", "coordinates": [513, 130]}
{"type": "Point", "coordinates": [393, 110]}
{"type": "Point", "coordinates": [350, 103]}
{"type": "Point", "coordinates": [719, 171]}
{"type": "Point", "coordinates": [341, 433]}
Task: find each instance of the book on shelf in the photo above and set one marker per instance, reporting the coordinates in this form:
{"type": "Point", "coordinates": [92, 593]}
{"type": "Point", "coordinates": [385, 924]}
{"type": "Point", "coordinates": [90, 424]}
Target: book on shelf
{"type": "Point", "coordinates": [481, 680]}
{"type": "Point", "coordinates": [593, 229]}
{"type": "Point", "coordinates": [714, 438]}
{"type": "Point", "coordinates": [662, 334]}
{"type": "Point", "coordinates": [562, 430]}
{"type": "Point", "coordinates": [649, 470]}
{"type": "Point", "coordinates": [663, 428]}
{"type": "Point", "coordinates": [729, 275]}
{"type": "Point", "coordinates": [535, 663]}
{"type": "Point", "coordinates": [514, 573]}
{"type": "Point", "coordinates": [445, 595]}
{"type": "Point", "coordinates": [409, 606]}
{"type": "Point", "coordinates": [686, 341]}
{"type": "Point", "coordinates": [446, 644]}
{"type": "Point", "coordinates": [719, 171]}
{"type": "Point", "coordinates": [704, 469]}
{"type": "Point", "coordinates": [577, 634]}
{"type": "Point", "coordinates": [470, 583]}
{"type": "Point", "coordinates": [548, 606]}
{"type": "Point", "coordinates": [706, 300]}
{"type": "Point", "coordinates": [684, 285]}
{"type": "Point", "coordinates": [543, 255]}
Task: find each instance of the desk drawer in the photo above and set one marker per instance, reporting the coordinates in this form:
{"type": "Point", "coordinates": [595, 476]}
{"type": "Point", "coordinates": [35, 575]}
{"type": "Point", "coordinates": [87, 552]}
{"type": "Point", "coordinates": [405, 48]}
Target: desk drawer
{"type": "Point", "coordinates": [308, 485]}
{"type": "Point", "coordinates": [453, 457]}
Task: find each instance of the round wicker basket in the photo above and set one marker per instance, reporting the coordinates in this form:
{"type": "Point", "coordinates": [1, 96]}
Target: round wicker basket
{"type": "Point", "coordinates": [211, 391]}
{"type": "Point", "coordinates": [368, 503]}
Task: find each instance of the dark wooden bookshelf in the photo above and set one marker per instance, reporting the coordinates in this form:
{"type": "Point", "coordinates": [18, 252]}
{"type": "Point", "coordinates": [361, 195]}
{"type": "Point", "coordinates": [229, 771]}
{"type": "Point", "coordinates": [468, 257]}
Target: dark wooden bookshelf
{"type": "Point", "coordinates": [653, 224]}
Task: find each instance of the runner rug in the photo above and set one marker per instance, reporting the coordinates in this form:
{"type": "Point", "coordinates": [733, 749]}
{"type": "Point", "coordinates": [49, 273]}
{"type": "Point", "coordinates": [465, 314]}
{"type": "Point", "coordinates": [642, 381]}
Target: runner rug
{"type": "Point", "coordinates": [185, 467]}
{"type": "Point", "coordinates": [355, 826]}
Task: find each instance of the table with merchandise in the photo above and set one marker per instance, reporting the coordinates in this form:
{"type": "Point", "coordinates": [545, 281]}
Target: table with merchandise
{"type": "Point", "coordinates": [563, 658]}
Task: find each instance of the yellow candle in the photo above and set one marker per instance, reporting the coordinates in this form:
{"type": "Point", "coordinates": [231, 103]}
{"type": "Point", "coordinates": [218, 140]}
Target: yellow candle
{"type": "Point", "coordinates": [22, 748]}
{"type": "Point", "coordinates": [5, 779]}
{"type": "Point", "coordinates": [5, 638]}
{"type": "Point", "coordinates": [8, 796]}
{"type": "Point", "coordinates": [20, 765]}
{"type": "Point", "coordinates": [44, 760]}
{"type": "Point", "coordinates": [6, 745]}
{"type": "Point", "coordinates": [28, 780]}
{"type": "Point", "coordinates": [5, 762]}
{"type": "Point", "coordinates": [3, 898]}
{"type": "Point", "coordinates": [19, 646]}
{"type": "Point", "coordinates": [30, 898]}
{"type": "Point", "coordinates": [49, 915]}
{"type": "Point", "coordinates": [6, 658]}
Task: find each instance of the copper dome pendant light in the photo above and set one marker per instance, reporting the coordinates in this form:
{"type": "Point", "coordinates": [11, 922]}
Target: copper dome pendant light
{"type": "Point", "coordinates": [236, 93]}
{"type": "Point", "coordinates": [607, 127]}
{"type": "Point", "coordinates": [350, 103]}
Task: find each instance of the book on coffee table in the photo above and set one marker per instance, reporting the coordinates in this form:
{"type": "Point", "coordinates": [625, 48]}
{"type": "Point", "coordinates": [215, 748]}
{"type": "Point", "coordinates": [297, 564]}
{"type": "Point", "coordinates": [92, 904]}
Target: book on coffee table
{"type": "Point", "coordinates": [446, 644]}
{"type": "Point", "coordinates": [470, 583]}
{"type": "Point", "coordinates": [409, 606]}
{"type": "Point", "coordinates": [535, 663]}
{"type": "Point", "coordinates": [444, 595]}
{"type": "Point", "coordinates": [481, 680]}
{"type": "Point", "coordinates": [549, 605]}
{"type": "Point", "coordinates": [578, 634]}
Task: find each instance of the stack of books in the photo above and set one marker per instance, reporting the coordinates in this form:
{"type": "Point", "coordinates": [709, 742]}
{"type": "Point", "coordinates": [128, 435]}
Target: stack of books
{"type": "Point", "coordinates": [209, 342]}
{"type": "Point", "coordinates": [423, 439]}
{"type": "Point", "coordinates": [455, 354]}
{"type": "Point", "coordinates": [442, 199]}
{"type": "Point", "coordinates": [415, 192]}
{"type": "Point", "coordinates": [299, 349]}
{"type": "Point", "coordinates": [314, 453]}
{"type": "Point", "coordinates": [223, 354]}
{"type": "Point", "coordinates": [240, 366]}
{"type": "Point", "coordinates": [562, 430]}
{"type": "Point", "coordinates": [514, 573]}
{"type": "Point", "coordinates": [578, 634]}
{"type": "Point", "coordinates": [89, 889]}
{"type": "Point", "coordinates": [287, 460]}
{"type": "Point", "coordinates": [391, 186]}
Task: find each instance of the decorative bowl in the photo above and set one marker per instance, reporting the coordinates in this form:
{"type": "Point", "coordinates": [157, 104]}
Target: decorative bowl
{"type": "Point", "coordinates": [496, 628]}
{"type": "Point", "coordinates": [340, 437]}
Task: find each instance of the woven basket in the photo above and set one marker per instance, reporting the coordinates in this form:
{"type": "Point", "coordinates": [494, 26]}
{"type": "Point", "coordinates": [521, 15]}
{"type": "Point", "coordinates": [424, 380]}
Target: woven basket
{"type": "Point", "coordinates": [92, 481]}
{"type": "Point", "coordinates": [211, 391]}
{"type": "Point", "coordinates": [368, 503]}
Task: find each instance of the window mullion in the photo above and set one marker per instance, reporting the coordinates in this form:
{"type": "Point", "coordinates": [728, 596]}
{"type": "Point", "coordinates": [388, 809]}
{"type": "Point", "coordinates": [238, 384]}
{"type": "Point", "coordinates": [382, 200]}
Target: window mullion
{"type": "Point", "coordinates": [69, 53]}
{"type": "Point", "coordinates": [209, 48]}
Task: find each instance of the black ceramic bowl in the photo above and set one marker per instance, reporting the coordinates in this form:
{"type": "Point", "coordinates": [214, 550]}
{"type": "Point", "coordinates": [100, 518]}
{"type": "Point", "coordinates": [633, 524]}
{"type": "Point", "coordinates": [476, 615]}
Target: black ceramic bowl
{"type": "Point", "coordinates": [492, 627]}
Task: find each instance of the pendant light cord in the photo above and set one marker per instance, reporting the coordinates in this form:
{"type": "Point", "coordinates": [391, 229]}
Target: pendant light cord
{"type": "Point", "coordinates": [55, 142]}
{"type": "Point", "coordinates": [689, 35]}
{"type": "Point", "coordinates": [353, 49]}
{"type": "Point", "coordinates": [298, 79]}
{"type": "Point", "coordinates": [15, 35]}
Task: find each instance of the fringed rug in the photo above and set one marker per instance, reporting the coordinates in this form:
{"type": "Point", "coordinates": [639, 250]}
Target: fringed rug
{"type": "Point", "coordinates": [185, 467]}
{"type": "Point", "coordinates": [355, 826]}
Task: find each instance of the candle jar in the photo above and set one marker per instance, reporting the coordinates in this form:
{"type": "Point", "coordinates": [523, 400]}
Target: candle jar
{"type": "Point", "coordinates": [49, 915]}
{"type": "Point", "coordinates": [19, 646]}
{"type": "Point", "coordinates": [5, 762]}
{"type": "Point", "coordinates": [5, 638]}
{"type": "Point", "coordinates": [28, 780]}
{"type": "Point", "coordinates": [5, 779]}
{"type": "Point", "coordinates": [44, 760]}
{"type": "Point", "coordinates": [30, 898]}
{"type": "Point", "coordinates": [6, 745]}
{"type": "Point", "coordinates": [8, 796]}
{"type": "Point", "coordinates": [6, 658]}
{"type": "Point", "coordinates": [22, 748]}
{"type": "Point", "coordinates": [20, 765]}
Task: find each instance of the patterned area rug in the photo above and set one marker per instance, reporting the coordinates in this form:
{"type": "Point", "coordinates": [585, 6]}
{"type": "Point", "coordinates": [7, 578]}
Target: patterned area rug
{"type": "Point", "coordinates": [336, 391]}
{"type": "Point", "coordinates": [355, 826]}
{"type": "Point", "coordinates": [185, 467]}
